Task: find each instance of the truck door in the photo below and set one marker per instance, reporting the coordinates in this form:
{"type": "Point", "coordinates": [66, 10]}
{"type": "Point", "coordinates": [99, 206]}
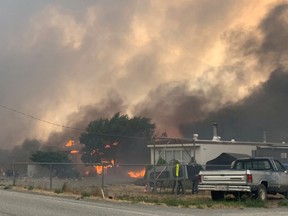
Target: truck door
{"type": "Point", "coordinates": [283, 176]}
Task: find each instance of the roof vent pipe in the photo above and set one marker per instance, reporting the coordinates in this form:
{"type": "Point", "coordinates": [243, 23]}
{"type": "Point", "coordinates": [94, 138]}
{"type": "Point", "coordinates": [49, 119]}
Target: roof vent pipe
{"type": "Point", "coordinates": [215, 132]}
{"type": "Point", "coordinates": [264, 137]}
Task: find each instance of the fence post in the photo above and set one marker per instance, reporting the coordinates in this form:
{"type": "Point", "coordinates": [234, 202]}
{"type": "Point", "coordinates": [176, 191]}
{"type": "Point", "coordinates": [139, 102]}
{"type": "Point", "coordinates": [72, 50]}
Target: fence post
{"type": "Point", "coordinates": [154, 169]}
{"type": "Point", "coordinates": [102, 182]}
{"type": "Point", "coordinates": [14, 174]}
{"type": "Point", "coordinates": [51, 176]}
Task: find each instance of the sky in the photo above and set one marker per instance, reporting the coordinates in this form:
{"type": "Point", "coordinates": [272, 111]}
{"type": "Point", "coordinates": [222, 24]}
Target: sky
{"type": "Point", "coordinates": [185, 64]}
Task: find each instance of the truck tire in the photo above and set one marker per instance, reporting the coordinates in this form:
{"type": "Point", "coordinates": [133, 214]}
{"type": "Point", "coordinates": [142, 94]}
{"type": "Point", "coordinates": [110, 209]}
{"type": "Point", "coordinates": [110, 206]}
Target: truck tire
{"type": "Point", "coordinates": [217, 195]}
{"type": "Point", "coordinates": [261, 193]}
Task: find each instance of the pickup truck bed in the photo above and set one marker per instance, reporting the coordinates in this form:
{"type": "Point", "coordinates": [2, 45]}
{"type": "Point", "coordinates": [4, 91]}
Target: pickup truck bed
{"type": "Point", "coordinates": [265, 176]}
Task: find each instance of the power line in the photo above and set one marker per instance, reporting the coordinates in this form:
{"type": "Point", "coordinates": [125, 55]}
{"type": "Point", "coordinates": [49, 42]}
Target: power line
{"type": "Point", "coordinates": [41, 120]}
{"type": "Point", "coordinates": [65, 126]}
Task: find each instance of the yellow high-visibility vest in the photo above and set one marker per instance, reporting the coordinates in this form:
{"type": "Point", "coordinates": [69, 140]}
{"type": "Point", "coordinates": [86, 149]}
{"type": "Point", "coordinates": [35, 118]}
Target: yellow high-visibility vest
{"type": "Point", "coordinates": [177, 170]}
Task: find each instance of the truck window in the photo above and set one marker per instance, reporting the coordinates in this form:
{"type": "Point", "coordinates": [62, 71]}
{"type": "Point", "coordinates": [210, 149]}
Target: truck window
{"type": "Point", "coordinates": [253, 165]}
{"type": "Point", "coordinates": [264, 165]}
{"type": "Point", "coordinates": [238, 165]}
{"type": "Point", "coordinates": [279, 166]}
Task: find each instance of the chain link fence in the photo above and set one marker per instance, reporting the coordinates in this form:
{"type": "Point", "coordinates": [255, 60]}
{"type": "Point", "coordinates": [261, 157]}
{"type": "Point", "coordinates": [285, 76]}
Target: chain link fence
{"type": "Point", "coordinates": [97, 179]}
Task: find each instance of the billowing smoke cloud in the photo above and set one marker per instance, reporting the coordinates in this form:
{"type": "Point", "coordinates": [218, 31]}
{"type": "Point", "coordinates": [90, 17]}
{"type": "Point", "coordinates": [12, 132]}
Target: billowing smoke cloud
{"type": "Point", "coordinates": [265, 109]}
{"type": "Point", "coordinates": [175, 62]}
{"type": "Point", "coordinates": [80, 120]}
{"type": "Point", "coordinates": [57, 140]}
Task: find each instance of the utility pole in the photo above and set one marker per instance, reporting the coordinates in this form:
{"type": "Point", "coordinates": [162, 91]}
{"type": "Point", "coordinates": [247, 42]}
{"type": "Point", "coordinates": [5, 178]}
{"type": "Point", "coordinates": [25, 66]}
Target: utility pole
{"type": "Point", "coordinates": [154, 169]}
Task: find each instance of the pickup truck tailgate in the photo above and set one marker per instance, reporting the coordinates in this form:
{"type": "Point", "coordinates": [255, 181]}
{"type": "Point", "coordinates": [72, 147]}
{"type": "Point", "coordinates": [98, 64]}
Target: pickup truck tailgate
{"type": "Point", "coordinates": [222, 177]}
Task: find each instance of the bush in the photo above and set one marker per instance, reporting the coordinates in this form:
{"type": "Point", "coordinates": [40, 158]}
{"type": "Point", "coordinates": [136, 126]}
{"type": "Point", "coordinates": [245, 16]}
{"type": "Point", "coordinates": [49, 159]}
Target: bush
{"type": "Point", "coordinates": [58, 190]}
{"type": "Point", "coordinates": [7, 187]}
{"type": "Point", "coordinates": [65, 187]}
{"type": "Point", "coordinates": [283, 203]}
{"type": "Point", "coordinates": [85, 194]}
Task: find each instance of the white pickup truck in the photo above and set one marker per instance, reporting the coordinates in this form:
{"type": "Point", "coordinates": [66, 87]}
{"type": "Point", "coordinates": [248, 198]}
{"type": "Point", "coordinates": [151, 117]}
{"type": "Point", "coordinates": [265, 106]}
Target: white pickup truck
{"type": "Point", "coordinates": [255, 177]}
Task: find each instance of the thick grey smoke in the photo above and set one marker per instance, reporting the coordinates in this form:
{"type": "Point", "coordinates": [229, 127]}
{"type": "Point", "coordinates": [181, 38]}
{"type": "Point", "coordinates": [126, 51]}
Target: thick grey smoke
{"type": "Point", "coordinates": [80, 120]}
{"type": "Point", "coordinates": [57, 140]}
{"type": "Point", "coordinates": [266, 108]}
{"type": "Point", "coordinates": [176, 62]}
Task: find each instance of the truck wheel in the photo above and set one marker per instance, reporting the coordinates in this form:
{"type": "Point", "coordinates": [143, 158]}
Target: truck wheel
{"type": "Point", "coordinates": [217, 195]}
{"type": "Point", "coordinates": [261, 193]}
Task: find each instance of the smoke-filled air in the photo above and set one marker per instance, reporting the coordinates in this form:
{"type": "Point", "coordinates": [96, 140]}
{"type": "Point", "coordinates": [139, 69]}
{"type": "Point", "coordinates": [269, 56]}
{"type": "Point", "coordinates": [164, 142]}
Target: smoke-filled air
{"type": "Point", "coordinates": [184, 64]}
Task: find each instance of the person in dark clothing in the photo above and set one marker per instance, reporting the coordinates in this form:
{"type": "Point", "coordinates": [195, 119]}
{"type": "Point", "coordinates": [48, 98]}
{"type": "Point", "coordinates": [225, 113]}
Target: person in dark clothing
{"type": "Point", "coordinates": [179, 189]}
{"type": "Point", "coordinates": [193, 174]}
{"type": "Point", "coordinates": [195, 184]}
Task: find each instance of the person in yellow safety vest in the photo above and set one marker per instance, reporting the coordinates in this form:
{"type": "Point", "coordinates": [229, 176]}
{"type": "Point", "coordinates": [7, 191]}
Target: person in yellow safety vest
{"type": "Point", "coordinates": [180, 187]}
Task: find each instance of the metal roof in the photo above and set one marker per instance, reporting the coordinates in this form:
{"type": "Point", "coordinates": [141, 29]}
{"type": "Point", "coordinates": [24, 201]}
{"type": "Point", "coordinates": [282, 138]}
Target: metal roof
{"type": "Point", "coordinates": [175, 142]}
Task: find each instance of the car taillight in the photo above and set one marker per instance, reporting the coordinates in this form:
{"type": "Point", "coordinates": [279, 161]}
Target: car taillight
{"type": "Point", "coordinates": [249, 178]}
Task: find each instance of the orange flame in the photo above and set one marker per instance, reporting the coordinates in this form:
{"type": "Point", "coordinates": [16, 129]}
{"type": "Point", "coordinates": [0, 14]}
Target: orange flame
{"type": "Point", "coordinates": [112, 162]}
{"type": "Point", "coordinates": [74, 151]}
{"type": "Point", "coordinates": [70, 143]}
{"type": "Point", "coordinates": [139, 174]}
{"type": "Point", "coordinates": [98, 169]}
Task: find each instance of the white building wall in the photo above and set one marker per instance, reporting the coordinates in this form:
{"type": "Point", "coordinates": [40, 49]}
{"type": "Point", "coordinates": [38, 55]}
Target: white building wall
{"type": "Point", "coordinates": [204, 152]}
{"type": "Point", "coordinates": [208, 152]}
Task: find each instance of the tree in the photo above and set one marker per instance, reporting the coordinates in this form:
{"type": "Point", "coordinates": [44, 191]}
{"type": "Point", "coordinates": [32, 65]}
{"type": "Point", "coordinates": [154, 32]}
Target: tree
{"type": "Point", "coordinates": [52, 159]}
{"type": "Point", "coordinates": [119, 139]}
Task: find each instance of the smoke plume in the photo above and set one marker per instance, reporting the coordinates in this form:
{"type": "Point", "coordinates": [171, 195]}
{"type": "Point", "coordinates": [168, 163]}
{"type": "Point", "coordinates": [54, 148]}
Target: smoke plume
{"type": "Point", "coordinates": [184, 64]}
{"type": "Point", "coordinates": [265, 108]}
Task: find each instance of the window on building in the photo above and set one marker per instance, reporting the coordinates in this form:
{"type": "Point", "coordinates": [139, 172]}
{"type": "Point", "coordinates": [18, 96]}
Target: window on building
{"type": "Point", "coordinates": [168, 156]}
{"type": "Point", "coordinates": [186, 157]}
{"type": "Point", "coordinates": [177, 155]}
{"type": "Point", "coordinates": [283, 155]}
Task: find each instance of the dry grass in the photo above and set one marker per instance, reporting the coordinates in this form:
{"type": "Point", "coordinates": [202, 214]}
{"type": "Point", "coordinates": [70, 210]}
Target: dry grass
{"type": "Point", "coordinates": [91, 189]}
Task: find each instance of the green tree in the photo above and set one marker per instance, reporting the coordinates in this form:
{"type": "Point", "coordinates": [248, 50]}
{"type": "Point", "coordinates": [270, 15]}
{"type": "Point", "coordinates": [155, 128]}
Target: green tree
{"type": "Point", "coordinates": [119, 139]}
{"type": "Point", "coordinates": [50, 159]}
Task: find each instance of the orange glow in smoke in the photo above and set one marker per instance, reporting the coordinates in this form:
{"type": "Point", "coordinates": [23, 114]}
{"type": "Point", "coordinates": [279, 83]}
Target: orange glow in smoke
{"type": "Point", "coordinates": [113, 162]}
{"type": "Point", "coordinates": [74, 151]}
{"type": "Point", "coordinates": [139, 174]}
{"type": "Point", "coordinates": [70, 143]}
{"type": "Point", "coordinates": [98, 169]}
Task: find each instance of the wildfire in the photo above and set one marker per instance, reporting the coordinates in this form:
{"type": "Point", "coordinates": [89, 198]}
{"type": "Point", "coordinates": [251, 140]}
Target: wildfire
{"type": "Point", "coordinates": [98, 168]}
{"type": "Point", "coordinates": [139, 174]}
{"type": "Point", "coordinates": [74, 151]}
{"type": "Point", "coordinates": [70, 143]}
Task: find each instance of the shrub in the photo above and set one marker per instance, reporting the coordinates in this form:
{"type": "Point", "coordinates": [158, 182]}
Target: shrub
{"type": "Point", "coordinates": [6, 187]}
{"type": "Point", "coordinates": [283, 203]}
{"type": "Point", "coordinates": [85, 194]}
{"type": "Point", "coordinates": [58, 190]}
{"type": "Point", "coordinates": [65, 187]}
